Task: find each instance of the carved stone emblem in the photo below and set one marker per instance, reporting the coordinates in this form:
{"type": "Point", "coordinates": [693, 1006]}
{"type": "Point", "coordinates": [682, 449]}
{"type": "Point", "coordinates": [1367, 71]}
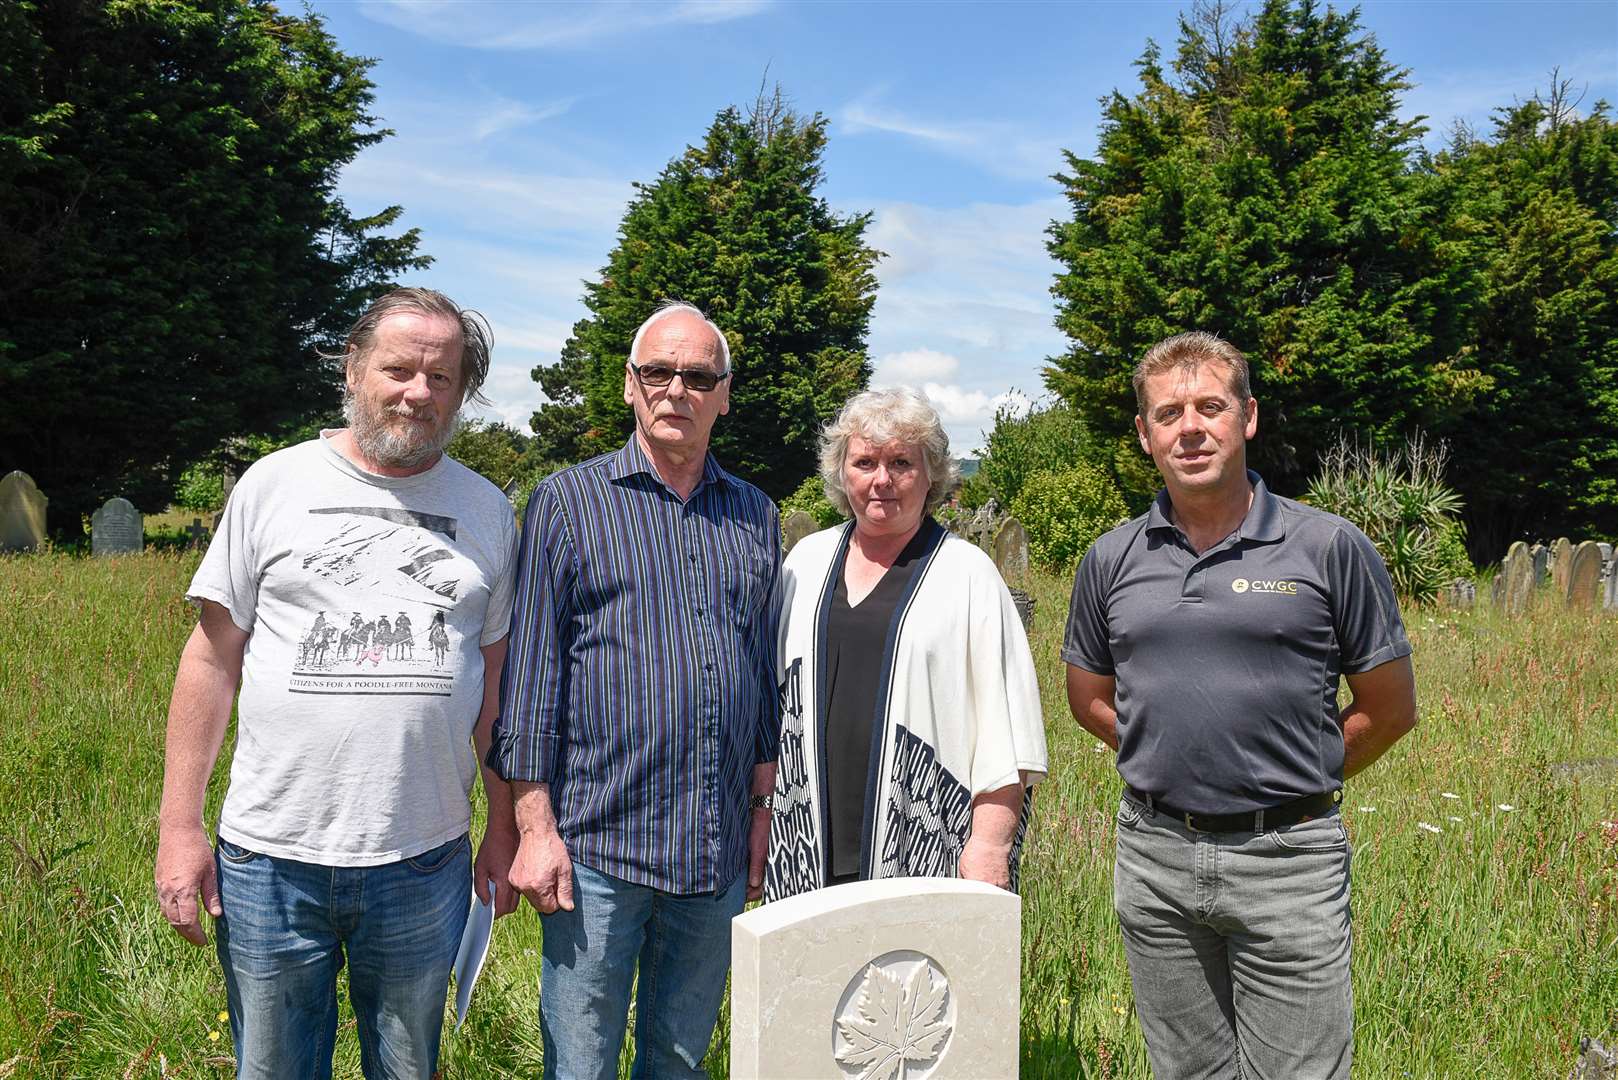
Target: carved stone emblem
{"type": "Point", "coordinates": [895, 1019]}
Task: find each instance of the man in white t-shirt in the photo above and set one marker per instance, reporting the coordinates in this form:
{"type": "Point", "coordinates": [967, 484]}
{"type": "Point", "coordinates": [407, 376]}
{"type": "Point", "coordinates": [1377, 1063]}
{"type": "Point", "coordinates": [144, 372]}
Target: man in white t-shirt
{"type": "Point", "coordinates": [344, 832]}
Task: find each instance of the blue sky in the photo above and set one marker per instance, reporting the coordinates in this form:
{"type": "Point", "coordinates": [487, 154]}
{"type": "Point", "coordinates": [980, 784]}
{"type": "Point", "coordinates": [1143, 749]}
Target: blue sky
{"type": "Point", "coordinates": [521, 126]}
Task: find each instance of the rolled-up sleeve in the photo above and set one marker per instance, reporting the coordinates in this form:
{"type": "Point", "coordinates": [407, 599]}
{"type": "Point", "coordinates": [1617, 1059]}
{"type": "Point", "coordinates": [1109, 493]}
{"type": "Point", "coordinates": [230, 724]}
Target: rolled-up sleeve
{"type": "Point", "coordinates": [530, 729]}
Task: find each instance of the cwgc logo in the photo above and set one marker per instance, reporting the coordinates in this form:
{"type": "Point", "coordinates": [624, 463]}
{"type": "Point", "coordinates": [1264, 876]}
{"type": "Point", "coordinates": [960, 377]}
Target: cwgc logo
{"type": "Point", "coordinates": [1285, 588]}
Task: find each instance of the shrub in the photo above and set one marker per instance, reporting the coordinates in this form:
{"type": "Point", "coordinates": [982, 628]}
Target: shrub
{"type": "Point", "coordinates": [1400, 500]}
{"type": "Point", "coordinates": [201, 488]}
{"type": "Point", "coordinates": [1065, 511]}
{"type": "Point", "coordinates": [1047, 438]}
{"type": "Point", "coordinates": [811, 498]}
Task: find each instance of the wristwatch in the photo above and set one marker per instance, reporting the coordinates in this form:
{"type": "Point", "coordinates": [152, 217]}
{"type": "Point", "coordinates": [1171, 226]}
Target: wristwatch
{"type": "Point", "coordinates": [761, 802]}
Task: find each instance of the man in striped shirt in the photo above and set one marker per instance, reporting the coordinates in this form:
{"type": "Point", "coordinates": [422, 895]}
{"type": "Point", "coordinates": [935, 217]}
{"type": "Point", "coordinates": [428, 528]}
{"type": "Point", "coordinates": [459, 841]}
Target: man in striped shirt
{"type": "Point", "coordinates": [639, 714]}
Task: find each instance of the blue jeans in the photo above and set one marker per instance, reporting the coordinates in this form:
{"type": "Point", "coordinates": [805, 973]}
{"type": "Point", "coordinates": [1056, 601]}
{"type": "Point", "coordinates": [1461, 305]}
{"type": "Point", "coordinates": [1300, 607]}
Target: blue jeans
{"type": "Point", "coordinates": [282, 940]}
{"type": "Point", "coordinates": [1238, 947]}
{"type": "Point", "coordinates": [682, 944]}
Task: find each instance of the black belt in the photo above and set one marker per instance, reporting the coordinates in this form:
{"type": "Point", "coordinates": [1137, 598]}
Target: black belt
{"type": "Point", "coordinates": [1272, 817]}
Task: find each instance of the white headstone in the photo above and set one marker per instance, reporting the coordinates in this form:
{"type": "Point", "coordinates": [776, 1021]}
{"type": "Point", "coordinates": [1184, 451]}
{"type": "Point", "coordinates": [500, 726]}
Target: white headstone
{"type": "Point", "coordinates": [22, 513]}
{"type": "Point", "coordinates": [116, 528]}
{"type": "Point", "coordinates": [897, 979]}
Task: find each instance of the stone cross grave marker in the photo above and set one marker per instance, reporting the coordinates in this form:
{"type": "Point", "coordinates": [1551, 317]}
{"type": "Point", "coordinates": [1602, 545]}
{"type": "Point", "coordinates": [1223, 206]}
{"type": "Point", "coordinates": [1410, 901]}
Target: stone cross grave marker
{"type": "Point", "coordinates": [22, 513]}
{"type": "Point", "coordinates": [1584, 576]}
{"type": "Point", "coordinates": [797, 526]}
{"type": "Point", "coordinates": [1011, 551]}
{"type": "Point", "coordinates": [116, 528]}
{"type": "Point", "coordinates": [198, 532]}
{"type": "Point", "coordinates": [898, 979]}
{"type": "Point", "coordinates": [1561, 563]}
{"type": "Point", "coordinates": [1518, 571]}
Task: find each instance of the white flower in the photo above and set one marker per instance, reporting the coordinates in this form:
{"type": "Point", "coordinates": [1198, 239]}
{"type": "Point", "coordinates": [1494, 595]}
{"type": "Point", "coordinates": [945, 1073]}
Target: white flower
{"type": "Point", "coordinates": [1429, 828]}
{"type": "Point", "coordinates": [1449, 795]}
{"type": "Point", "coordinates": [1098, 748]}
{"type": "Point", "coordinates": [1367, 809]}
{"type": "Point", "coordinates": [1454, 818]}
{"type": "Point", "coordinates": [1507, 807]}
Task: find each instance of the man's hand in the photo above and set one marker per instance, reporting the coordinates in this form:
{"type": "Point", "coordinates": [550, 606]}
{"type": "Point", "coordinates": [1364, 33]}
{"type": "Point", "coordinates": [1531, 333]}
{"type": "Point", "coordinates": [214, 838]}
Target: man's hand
{"type": "Point", "coordinates": [758, 847]}
{"type": "Point", "coordinates": [491, 872]}
{"type": "Point", "coordinates": [543, 872]}
{"type": "Point", "coordinates": [984, 860]}
{"type": "Point", "coordinates": [185, 867]}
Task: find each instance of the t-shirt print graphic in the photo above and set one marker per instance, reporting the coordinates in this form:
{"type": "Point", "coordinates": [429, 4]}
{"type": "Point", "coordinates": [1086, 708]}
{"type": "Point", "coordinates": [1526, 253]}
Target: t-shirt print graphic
{"type": "Point", "coordinates": [389, 636]}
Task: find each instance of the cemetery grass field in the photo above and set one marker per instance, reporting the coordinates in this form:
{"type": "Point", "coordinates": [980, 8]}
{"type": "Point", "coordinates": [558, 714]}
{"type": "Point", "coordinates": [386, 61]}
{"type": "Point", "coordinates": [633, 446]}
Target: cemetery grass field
{"type": "Point", "coordinates": [1484, 936]}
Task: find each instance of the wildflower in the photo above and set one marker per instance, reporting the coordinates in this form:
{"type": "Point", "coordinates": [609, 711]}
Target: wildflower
{"type": "Point", "coordinates": [1367, 809]}
{"type": "Point", "coordinates": [223, 1016]}
{"type": "Point", "coordinates": [213, 1036]}
{"type": "Point", "coordinates": [1452, 817]}
{"type": "Point", "coordinates": [1098, 748]}
{"type": "Point", "coordinates": [1507, 807]}
{"type": "Point", "coordinates": [1429, 828]}
{"type": "Point", "coordinates": [1449, 795]}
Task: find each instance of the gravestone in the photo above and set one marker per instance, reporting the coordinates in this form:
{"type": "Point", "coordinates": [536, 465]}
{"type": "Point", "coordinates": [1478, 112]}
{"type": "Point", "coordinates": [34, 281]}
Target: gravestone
{"type": "Point", "coordinates": [116, 529]}
{"type": "Point", "coordinates": [901, 978]}
{"type": "Point", "coordinates": [1518, 571]}
{"type": "Point", "coordinates": [797, 526]}
{"type": "Point", "coordinates": [197, 531]}
{"type": "Point", "coordinates": [1542, 563]}
{"type": "Point", "coordinates": [1011, 551]}
{"type": "Point", "coordinates": [1609, 599]}
{"type": "Point", "coordinates": [1584, 576]}
{"type": "Point", "coordinates": [1561, 563]}
{"type": "Point", "coordinates": [22, 513]}
{"type": "Point", "coordinates": [1459, 593]}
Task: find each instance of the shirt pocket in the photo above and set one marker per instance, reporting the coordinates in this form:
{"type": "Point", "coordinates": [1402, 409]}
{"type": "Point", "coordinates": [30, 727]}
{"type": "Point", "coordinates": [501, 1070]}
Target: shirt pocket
{"type": "Point", "coordinates": [746, 580]}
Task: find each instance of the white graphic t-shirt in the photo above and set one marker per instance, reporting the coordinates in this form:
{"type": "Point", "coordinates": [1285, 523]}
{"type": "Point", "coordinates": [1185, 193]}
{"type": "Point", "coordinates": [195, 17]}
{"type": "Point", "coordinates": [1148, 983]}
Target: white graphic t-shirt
{"type": "Point", "coordinates": [367, 599]}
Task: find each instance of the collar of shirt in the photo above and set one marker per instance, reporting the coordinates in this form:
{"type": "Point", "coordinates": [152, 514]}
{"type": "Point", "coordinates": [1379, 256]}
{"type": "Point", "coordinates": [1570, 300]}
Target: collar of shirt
{"type": "Point", "coordinates": [632, 460]}
{"type": "Point", "coordinates": [1263, 522]}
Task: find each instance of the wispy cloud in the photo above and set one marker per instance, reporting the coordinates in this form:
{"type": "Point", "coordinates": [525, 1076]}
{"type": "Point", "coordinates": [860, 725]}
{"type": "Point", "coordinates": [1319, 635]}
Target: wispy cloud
{"type": "Point", "coordinates": [1472, 94]}
{"type": "Point", "coordinates": [487, 24]}
{"type": "Point", "coordinates": [999, 147]}
{"type": "Point", "coordinates": [913, 367]}
{"type": "Point", "coordinates": [507, 115]}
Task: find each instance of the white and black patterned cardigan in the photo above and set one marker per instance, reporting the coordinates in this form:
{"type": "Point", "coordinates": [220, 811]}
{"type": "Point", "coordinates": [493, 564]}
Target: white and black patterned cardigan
{"type": "Point", "coordinates": [957, 705]}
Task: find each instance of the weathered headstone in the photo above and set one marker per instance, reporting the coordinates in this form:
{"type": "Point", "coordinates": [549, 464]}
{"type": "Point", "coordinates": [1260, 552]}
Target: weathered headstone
{"type": "Point", "coordinates": [1011, 551]}
{"type": "Point", "coordinates": [1609, 598]}
{"type": "Point", "coordinates": [22, 513]}
{"type": "Point", "coordinates": [797, 526]}
{"type": "Point", "coordinates": [896, 978]}
{"type": "Point", "coordinates": [1459, 593]}
{"type": "Point", "coordinates": [197, 531]}
{"type": "Point", "coordinates": [116, 528]}
{"type": "Point", "coordinates": [1542, 563]}
{"type": "Point", "coordinates": [1584, 576]}
{"type": "Point", "coordinates": [1518, 570]}
{"type": "Point", "coordinates": [1561, 563]}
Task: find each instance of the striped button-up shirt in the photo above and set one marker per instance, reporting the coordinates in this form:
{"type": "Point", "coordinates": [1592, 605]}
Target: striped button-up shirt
{"type": "Point", "coordinates": [640, 676]}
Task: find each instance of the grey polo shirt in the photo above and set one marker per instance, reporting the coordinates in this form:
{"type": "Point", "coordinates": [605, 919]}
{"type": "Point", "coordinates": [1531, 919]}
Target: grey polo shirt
{"type": "Point", "coordinates": [1227, 663]}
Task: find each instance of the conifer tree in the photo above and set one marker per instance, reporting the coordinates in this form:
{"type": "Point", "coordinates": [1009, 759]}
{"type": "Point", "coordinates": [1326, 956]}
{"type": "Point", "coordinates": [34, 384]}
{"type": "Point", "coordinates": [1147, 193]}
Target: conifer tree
{"type": "Point", "coordinates": [734, 226]}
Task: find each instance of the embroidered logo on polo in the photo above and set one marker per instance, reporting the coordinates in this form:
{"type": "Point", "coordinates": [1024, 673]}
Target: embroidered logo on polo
{"type": "Point", "coordinates": [1275, 588]}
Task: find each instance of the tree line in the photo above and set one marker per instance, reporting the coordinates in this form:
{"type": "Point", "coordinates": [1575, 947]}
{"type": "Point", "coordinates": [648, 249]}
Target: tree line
{"type": "Point", "coordinates": [174, 259]}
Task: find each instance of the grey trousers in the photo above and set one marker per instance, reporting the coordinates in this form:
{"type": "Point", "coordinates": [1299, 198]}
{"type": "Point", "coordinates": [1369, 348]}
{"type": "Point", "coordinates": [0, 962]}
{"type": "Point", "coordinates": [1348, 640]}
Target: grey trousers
{"type": "Point", "coordinates": [1238, 947]}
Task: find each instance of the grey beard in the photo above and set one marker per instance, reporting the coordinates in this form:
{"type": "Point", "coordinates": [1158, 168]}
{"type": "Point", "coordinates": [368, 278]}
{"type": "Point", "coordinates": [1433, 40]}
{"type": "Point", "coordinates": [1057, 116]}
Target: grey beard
{"type": "Point", "coordinates": [385, 446]}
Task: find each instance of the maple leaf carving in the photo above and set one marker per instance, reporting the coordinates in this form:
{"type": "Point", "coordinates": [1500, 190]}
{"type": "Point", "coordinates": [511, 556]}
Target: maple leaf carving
{"type": "Point", "coordinates": [894, 1023]}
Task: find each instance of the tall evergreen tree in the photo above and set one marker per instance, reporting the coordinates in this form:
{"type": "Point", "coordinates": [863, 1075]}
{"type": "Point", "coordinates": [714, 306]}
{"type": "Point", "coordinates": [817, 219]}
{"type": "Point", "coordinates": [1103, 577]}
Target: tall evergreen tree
{"type": "Point", "coordinates": [1536, 206]}
{"type": "Point", "coordinates": [1261, 188]}
{"type": "Point", "coordinates": [172, 249]}
{"type": "Point", "coordinates": [734, 226]}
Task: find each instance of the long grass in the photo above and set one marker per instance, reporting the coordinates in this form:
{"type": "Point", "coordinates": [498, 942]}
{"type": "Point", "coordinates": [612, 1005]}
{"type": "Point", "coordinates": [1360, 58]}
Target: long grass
{"type": "Point", "coordinates": [1485, 949]}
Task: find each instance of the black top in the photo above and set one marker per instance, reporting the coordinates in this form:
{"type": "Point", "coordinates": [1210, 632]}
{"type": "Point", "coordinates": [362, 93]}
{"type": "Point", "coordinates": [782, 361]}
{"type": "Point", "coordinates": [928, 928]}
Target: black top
{"type": "Point", "coordinates": [856, 642]}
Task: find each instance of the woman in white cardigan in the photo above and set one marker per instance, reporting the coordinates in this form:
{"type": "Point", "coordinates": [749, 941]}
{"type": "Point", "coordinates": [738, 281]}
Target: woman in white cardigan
{"type": "Point", "coordinates": [911, 728]}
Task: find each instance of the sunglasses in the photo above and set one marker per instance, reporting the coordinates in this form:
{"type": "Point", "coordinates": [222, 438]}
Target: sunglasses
{"type": "Point", "coordinates": [693, 378]}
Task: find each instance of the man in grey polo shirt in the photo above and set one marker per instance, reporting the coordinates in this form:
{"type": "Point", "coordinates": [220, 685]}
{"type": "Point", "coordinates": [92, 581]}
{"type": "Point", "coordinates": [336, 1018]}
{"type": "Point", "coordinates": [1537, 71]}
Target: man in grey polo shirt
{"type": "Point", "coordinates": [1204, 644]}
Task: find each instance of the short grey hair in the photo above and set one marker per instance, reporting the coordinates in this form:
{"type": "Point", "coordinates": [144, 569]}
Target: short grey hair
{"type": "Point", "coordinates": [895, 414]}
{"type": "Point", "coordinates": [477, 339]}
{"type": "Point", "coordinates": [666, 308]}
{"type": "Point", "coordinates": [1188, 350]}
